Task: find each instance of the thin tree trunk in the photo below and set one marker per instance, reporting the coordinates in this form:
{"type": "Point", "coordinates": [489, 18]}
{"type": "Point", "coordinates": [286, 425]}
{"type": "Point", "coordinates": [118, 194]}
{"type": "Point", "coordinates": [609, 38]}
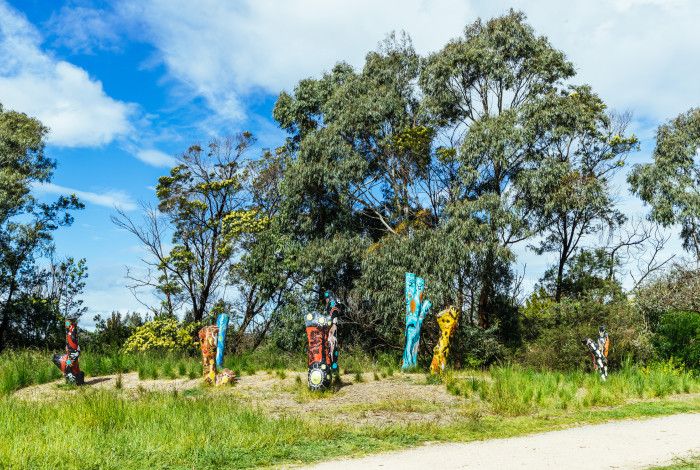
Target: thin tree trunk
{"type": "Point", "coordinates": [6, 314]}
{"type": "Point", "coordinates": [486, 291]}
{"type": "Point", "coordinates": [560, 278]}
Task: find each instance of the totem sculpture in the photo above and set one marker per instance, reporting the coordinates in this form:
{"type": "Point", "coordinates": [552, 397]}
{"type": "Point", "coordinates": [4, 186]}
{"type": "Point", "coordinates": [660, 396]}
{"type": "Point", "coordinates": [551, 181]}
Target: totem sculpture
{"type": "Point", "coordinates": [222, 323]}
{"type": "Point", "coordinates": [417, 309]}
{"type": "Point", "coordinates": [447, 321]}
{"type": "Point", "coordinates": [209, 337]}
{"type": "Point", "coordinates": [322, 334]}
{"type": "Point", "coordinates": [599, 352]}
{"type": "Point", "coordinates": [603, 342]}
{"type": "Point", "coordinates": [68, 362]}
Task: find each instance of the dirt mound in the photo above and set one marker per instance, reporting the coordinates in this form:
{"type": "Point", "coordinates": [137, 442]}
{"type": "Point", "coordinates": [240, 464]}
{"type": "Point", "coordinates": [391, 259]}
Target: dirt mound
{"type": "Point", "coordinates": [130, 383]}
{"type": "Point", "coordinates": [399, 398]}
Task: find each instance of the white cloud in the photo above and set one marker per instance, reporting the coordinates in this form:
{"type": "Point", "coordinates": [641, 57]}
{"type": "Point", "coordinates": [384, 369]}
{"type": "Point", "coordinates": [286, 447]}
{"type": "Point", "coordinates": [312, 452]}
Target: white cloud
{"type": "Point", "coordinates": [639, 54]}
{"type": "Point", "coordinates": [84, 30]}
{"type": "Point", "coordinates": [58, 93]}
{"type": "Point", "coordinates": [225, 51]}
{"type": "Point", "coordinates": [111, 198]}
{"type": "Point", "coordinates": [156, 158]}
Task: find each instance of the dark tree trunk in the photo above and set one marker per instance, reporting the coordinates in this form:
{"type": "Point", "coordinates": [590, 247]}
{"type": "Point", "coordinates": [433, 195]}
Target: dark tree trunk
{"type": "Point", "coordinates": [5, 322]}
{"type": "Point", "coordinates": [486, 292]}
{"type": "Point", "coordinates": [560, 278]}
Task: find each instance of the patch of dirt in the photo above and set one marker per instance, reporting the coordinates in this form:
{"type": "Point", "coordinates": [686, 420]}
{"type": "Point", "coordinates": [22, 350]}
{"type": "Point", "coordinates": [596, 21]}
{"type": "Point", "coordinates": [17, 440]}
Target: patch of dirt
{"type": "Point", "coordinates": [130, 384]}
{"type": "Point", "coordinates": [397, 399]}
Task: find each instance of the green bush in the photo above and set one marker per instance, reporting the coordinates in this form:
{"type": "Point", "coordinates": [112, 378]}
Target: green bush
{"type": "Point", "coordinates": [676, 290]}
{"type": "Point", "coordinates": [678, 337]}
{"type": "Point", "coordinates": [164, 334]}
{"type": "Point", "coordinates": [554, 331]}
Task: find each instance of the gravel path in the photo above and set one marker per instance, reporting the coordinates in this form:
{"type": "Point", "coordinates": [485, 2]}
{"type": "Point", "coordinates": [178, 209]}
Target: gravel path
{"type": "Point", "coordinates": [621, 445]}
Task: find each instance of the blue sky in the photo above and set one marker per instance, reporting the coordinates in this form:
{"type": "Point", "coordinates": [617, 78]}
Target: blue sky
{"type": "Point", "coordinates": [127, 85]}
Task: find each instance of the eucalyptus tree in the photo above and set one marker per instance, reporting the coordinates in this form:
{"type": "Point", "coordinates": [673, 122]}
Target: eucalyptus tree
{"type": "Point", "coordinates": [670, 184]}
{"type": "Point", "coordinates": [579, 148]}
{"type": "Point", "coordinates": [206, 210]}
{"type": "Point", "coordinates": [26, 224]}
{"type": "Point", "coordinates": [359, 144]}
{"type": "Point", "coordinates": [478, 90]}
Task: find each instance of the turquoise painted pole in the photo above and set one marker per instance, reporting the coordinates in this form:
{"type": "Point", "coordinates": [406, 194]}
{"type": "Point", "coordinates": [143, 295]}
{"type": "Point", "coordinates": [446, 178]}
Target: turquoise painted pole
{"type": "Point", "coordinates": [417, 309]}
{"type": "Point", "coordinates": [222, 323]}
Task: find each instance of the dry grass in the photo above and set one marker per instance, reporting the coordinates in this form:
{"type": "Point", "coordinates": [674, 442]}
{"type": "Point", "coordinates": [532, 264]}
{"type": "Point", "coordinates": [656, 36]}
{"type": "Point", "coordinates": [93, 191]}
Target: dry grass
{"type": "Point", "coordinates": [396, 399]}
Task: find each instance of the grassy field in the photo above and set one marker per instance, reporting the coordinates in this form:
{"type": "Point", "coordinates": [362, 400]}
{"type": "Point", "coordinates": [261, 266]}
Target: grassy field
{"type": "Point", "coordinates": [19, 369]}
{"type": "Point", "coordinates": [270, 418]}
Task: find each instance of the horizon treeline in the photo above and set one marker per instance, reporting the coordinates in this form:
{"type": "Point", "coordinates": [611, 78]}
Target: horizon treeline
{"type": "Point", "coordinates": [440, 165]}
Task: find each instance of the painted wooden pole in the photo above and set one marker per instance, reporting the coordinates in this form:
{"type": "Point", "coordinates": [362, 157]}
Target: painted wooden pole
{"type": "Point", "coordinates": [417, 308]}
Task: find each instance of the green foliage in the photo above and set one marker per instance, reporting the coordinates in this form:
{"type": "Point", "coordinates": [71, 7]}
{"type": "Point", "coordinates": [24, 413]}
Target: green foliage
{"type": "Point", "coordinates": [112, 332]}
{"type": "Point", "coordinates": [516, 391]}
{"type": "Point", "coordinates": [678, 337]}
{"type": "Point", "coordinates": [554, 330]}
{"type": "Point", "coordinates": [668, 184]}
{"type": "Point", "coordinates": [368, 193]}
{"type": "Point", "coordinates": [677, 289]}
{"type": "Point", "coordinates": [568, 189]}
{"type": "Point", "coordinates": [163, 334]}
{"type": "Point", "coordinates": [588, 273]}
{"type": "Point", "coordinates": [26, 233]}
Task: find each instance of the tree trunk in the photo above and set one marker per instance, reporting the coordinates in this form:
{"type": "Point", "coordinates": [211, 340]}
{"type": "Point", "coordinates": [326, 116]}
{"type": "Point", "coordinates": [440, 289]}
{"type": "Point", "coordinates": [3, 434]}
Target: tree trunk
{"type": "Point", "coordinates": [6, 314]}
{"type": "Point", "coordinates": [483, 313]}
{"type": "Point", "coordinates": [560, 278]}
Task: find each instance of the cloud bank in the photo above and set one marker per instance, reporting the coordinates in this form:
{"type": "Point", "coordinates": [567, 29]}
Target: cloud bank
{"type": "Point", "coordinates": [640, 55]}
{"type": "Point", "coordinates": [64, 97]}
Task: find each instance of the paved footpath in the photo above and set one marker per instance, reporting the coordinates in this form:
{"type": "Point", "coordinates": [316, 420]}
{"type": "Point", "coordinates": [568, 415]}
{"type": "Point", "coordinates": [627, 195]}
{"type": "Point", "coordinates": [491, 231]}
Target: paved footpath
{"type": "Point", "coordinates": [631, 444]}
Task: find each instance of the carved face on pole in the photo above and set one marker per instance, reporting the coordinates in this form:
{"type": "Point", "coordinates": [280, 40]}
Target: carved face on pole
{"type": "Point", "coordinates": [222, 324]}
{"type": "Point", "coordinates": [600, 362]}
{"type": "Point", "coordinates": [416, 310]}
{"type": "Point", "coordinates": [207, 340]}
{"type": "Point", "coordinates": [322, 335]}
{"type": "Point", "coordinates": [603, 341]}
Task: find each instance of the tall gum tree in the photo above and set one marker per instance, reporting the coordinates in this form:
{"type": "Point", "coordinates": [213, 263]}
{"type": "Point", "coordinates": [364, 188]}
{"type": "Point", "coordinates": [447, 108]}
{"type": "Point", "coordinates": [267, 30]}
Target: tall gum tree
{"type": "Point", "coordinates": [26, 224]}
{"type": "Point", "coordinates": [579, 148]}
{"type": "Point", "coordinates": [359, 144]}
{"type": "Point", "coordinates": [207, 209]}
{"type": "Point", "coordinates": [477, 90]}
{"type": "Point", "coordinates": [670, 184]}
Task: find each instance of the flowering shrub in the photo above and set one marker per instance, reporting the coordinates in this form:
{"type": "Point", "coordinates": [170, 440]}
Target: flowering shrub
{"type": "Point", "coordinates": [163, 335]}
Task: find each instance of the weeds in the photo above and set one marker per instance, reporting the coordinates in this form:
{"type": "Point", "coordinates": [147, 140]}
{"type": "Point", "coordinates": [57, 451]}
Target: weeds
{"type": "Point", "coordinates": [169, 429]}
{"type": "Point", "coordinates": [20, 369]}
{"type": "Point", "coordinates": [515, 391]}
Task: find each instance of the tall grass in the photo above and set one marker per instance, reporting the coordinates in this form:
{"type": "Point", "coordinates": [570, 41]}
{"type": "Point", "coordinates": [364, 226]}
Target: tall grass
{"type": "Point", "coordinates": [200, 430]}
{"type": "Point", "coordinates": [25, 367]}
{"type": "Point", "coordinates": [22, 368]}
{"type": "Point", "coordinates": [515, 391]}
{"type": "Point", "coordinates": [265, 358]}
{"type": "Point", "coordinates": [171, 432]}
